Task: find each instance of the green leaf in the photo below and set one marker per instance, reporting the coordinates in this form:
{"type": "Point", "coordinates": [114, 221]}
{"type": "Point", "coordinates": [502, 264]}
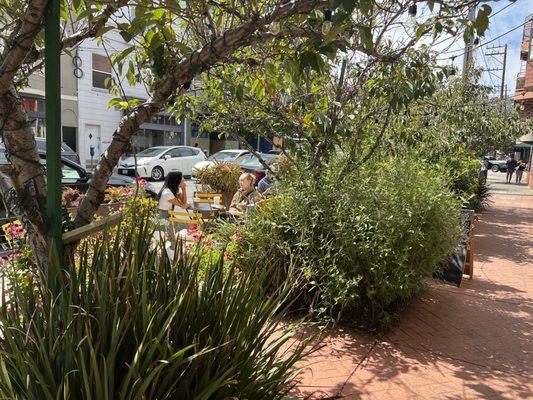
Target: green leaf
{"type": "Point", "coordinates": [420, 31]}
{"type": "Point", "coordinates": [104, 30]}
{"type": "Point", "coordinates": [159, 13]}
{"type": "Point", "coordinates": [482, 19]}
{"type": "Point", "coordinates": [126, 36]}
{"type": "Point", "coordinates": [366, 37]}
{"type": "Point", "coordinates": [63, 11]}
{"type": "Point", "coordinates": [364, 5]}
{"type": "Point", "coordinates": [118, 57]}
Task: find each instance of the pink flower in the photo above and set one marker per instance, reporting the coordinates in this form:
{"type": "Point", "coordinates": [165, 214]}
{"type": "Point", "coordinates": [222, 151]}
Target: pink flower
{"type": "Point", "coordinates": [188, 246]}
{"type": "Point", "coordinates": [14, 231]}
{"type": "Point", "coordinates": [228, 256]}
{"type": "Point", "coordinates": [209, 245]}
{"type": "Point", "coordinates": [237, 235]}
{"type": "Point", "coordinates": [122, 207]}
{"type": "Point", "coordinates": [141, 181]}
{"type": "Point", "coordinates": [196, 237]}
{"type": "Point", "coordinates": [192, 229]}
{"type": "Point", "coordinates": [13, 256]}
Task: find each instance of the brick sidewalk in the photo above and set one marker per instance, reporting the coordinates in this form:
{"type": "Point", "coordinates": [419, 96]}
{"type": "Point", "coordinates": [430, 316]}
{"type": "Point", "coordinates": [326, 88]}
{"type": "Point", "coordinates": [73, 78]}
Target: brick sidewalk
{"type": "Point", "coordinates": [472, 342]}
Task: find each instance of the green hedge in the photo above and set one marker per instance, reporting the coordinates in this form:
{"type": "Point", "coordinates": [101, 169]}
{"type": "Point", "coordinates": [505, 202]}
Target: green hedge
{"type": "Point", "coordinates": [360, 243]}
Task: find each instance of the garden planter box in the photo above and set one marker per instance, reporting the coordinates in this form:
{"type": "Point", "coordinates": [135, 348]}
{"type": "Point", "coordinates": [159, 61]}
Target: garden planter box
{"type": "Point", "coordinates": [103, 211]}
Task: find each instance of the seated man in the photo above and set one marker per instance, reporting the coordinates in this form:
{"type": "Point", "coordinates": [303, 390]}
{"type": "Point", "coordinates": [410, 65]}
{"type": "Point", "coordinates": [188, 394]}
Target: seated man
{"type": "Point", "coordinates": [245, 196]}
{"type": "Point", "coordinates": [267, 183]}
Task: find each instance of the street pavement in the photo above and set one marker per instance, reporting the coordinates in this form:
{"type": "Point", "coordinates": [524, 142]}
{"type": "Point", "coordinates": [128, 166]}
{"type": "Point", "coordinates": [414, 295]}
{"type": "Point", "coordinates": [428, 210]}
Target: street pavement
{"type": "Point", "coordinates": [496, 181]}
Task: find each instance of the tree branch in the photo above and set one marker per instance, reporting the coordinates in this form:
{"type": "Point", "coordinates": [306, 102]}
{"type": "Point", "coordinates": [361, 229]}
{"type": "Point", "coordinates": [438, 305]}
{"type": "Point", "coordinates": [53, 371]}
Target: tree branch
{"type": "Point", "coordinates": [199, 61]}
{"type": "Point", "coordinates": [14, 57]}
{"type": "Point", "coordinates": [76, 38]}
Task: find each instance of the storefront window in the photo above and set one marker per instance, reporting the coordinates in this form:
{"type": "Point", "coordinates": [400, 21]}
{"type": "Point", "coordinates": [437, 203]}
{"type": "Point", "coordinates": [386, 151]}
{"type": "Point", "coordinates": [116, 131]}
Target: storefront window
{"type": "Point", "coordinates": [139, 140]}
{"type": "Point", "coordinates": [172, 138]}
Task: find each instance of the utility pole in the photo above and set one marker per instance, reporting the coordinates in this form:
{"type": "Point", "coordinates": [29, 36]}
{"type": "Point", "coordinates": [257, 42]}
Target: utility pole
{"type": "Point", "coordinates": [52, 78]}
{"type": "Point", "coordinates": [499, 51]}
{"type": "Point", "coordinates": [469, 45]}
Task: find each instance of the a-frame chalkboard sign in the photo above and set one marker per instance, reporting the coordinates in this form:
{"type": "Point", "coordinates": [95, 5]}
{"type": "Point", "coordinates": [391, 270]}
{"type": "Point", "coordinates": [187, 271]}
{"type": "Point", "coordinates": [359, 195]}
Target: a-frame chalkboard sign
{"type": "Point", "coordinates": [462, 261]}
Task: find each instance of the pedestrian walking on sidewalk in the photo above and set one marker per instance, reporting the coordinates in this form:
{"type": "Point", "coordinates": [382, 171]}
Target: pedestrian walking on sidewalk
{"type": "Point", "coordinates": [511, 166]}
{"type": "Point", "coordinates": [520, 171]}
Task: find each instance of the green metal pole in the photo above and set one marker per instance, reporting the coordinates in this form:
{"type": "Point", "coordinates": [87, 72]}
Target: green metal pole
{"type": "Point", "coordinates": [53, 124]}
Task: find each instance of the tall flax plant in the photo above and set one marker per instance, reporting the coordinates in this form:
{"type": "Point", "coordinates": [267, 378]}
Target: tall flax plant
{"type": "Point", "coordinates": [126, 322]}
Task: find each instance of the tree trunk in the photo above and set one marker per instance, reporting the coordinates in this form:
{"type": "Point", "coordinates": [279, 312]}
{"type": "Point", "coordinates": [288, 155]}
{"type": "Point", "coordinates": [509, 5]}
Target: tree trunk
{"type": "Point", "coordinates": [26, 172]}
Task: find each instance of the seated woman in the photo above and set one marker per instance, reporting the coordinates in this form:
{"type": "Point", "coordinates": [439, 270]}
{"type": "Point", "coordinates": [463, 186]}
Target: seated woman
{"type": "Point", "coordinates": [245, 196]}
{"type": "Point", "coordinates": [173, 194]}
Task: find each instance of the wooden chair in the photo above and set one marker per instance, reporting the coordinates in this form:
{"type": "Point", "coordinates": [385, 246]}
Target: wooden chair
{"type": "Point", "coordinates": [185, 217]}
{"type": "Point", "coordinates": [206, 198]}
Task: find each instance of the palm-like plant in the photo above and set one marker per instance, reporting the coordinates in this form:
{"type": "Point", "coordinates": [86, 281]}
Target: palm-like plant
{"type": "Point", "coordinates": [126, 322]}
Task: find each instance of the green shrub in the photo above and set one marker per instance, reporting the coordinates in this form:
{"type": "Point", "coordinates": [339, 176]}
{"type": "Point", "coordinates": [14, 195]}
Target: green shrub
{"type": "Point", "coordinates": [125, 322]}
{"type": "Point", "coordinates": [465, 180]}
{"type": "Point", "coordinates": [362, 243]}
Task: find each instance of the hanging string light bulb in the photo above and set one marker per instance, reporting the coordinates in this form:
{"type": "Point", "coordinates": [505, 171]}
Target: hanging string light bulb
{"type": "Point", "coordinates": [327, 24]}
{"type": "Point", "coordinates": [411, 11]}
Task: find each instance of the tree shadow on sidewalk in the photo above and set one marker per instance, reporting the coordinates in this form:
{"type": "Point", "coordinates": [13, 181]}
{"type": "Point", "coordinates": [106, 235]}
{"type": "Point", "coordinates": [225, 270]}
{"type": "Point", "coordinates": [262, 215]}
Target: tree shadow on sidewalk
{"type": "Point", "coordinates": [448, 341]}
{"type": "Point", "coordinates": [502, 234]}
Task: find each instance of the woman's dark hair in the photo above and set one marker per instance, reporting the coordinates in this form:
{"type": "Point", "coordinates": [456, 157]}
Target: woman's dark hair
{"type": "Point", "coordinates": [172, 182]}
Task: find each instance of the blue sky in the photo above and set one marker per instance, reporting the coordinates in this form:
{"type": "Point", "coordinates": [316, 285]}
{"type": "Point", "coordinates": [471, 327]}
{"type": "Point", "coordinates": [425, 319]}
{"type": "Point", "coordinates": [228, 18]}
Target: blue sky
{"type": "Point", "coordinates": [509, 18]}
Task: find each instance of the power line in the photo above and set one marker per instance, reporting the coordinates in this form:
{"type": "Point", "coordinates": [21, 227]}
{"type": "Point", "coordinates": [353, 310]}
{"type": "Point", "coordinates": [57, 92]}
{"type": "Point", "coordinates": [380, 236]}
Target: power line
{"type": "Point", "coordinates": [483, 44]}
{"type": "Point", "coordinates": [490, 17]}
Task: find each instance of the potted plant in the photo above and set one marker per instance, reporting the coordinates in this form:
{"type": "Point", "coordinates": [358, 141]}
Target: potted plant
{"type": "Point", "coordinates": [220, 178]}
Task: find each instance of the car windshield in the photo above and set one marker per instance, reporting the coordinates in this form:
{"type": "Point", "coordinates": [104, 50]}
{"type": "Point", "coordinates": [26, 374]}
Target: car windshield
{"type": "Point", "coordinates": [223, 156]}
{"type": "Point", "coordinates": [251, 161]}
{"type": "Point", "coordinates": [151, 152]}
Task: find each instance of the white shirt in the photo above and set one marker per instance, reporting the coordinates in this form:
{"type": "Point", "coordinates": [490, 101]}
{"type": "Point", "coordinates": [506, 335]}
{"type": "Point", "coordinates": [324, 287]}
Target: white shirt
{"type": "Point", "coordinates": [164, 201]}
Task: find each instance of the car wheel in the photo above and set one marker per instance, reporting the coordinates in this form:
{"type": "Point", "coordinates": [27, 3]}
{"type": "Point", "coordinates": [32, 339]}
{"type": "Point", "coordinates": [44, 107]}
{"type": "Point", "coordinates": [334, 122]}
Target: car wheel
{"type": "Point", "coordinates": [495, 168]}
{"type": "Point", "coordinates": [157, 173]}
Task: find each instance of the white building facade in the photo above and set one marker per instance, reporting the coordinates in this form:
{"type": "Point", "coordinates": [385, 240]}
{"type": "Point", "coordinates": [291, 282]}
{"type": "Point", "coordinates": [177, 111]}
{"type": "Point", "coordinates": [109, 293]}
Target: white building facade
{"type": "Point", "coordinates": [97, 121]}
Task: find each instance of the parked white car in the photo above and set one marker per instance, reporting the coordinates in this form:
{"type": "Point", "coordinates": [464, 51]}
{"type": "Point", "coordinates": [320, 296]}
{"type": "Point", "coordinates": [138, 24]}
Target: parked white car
{"type": "Point", "coordinates": [221, 156]}
{"type": "Point", "coordinates": [156, 162]}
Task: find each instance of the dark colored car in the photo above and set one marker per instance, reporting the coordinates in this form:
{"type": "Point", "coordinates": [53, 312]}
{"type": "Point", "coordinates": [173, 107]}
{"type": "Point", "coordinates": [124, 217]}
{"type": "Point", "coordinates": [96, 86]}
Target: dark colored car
{"type": "Point", "coordinates": [250, 163]}
{"type": "Point", "coordinates": [66, 152]}
{"type": "Point", "coordinates": [496, 165]}
{"type": "Point", "coordinates": [74, 175]}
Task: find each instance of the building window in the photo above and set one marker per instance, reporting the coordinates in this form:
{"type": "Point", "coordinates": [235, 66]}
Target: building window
{"type": "Point", "coordinates": [35, 105]}
{"type": "Point", "coordinates": [101, 71]}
